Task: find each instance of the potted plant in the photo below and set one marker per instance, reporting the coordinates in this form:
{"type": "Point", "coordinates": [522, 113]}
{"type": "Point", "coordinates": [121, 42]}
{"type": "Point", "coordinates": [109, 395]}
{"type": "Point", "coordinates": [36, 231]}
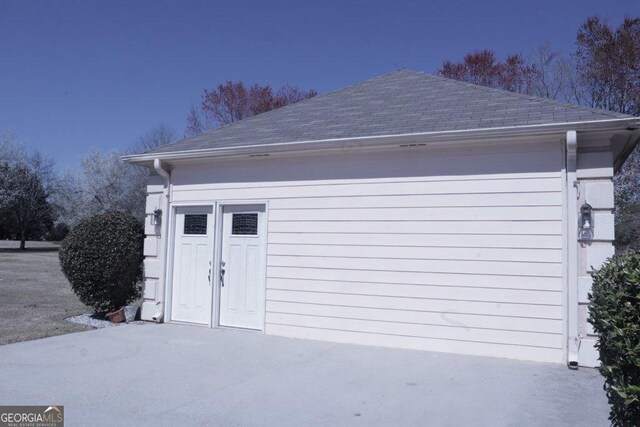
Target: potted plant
{"type": "Point", "coordinates": [117, 316]}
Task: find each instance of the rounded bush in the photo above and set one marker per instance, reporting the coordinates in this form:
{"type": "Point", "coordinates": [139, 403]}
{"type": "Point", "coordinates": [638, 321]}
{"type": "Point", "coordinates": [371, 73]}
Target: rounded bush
{"type": "Point", "coordinates": [614, 312]}
{"type": "Point", "coordinates": [102, 259]}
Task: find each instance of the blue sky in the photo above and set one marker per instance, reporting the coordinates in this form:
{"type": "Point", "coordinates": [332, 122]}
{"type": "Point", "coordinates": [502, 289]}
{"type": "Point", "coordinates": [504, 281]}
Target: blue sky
{"type": "Point", "coordinates": [82, 74]}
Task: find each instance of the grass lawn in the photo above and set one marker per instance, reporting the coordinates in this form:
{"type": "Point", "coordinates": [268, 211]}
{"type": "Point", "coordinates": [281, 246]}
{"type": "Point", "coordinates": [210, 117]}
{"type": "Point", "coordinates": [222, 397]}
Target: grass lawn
{"type": "Point", "coordinates": [35, 297]}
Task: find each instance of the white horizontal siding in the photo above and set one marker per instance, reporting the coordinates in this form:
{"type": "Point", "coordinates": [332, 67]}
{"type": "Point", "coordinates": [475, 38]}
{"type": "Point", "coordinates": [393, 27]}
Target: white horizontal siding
{"type": "Point", "coordinates": [418, 252]}
{"type": "Point", "coordinates": [418, 278]}
{"type": "Point", "coordinates": [509, 213]}
{"type": "Point", "coordinates": [407, 187]}
{"type": "Point", "coordinates": [421, 227]}
{"type": "Point", "coordinates": [379, 263]}
{"type": "Point", "coordinates": [459, 320]}
{"type": "Point", "coordinates": [506, 241]}
{"type": "Point", "coordinates": [417, 201]}
{"type": "Point", "coordinates": [448, 292]}
{"type": "Point", "coordinates": [511, 351]}
{"type": "Point", "coordinates": [455, 251]}
{"type": "Point", "coordinates": [469, 306]}
{"type": "Point", "coordinates": [419, 330]}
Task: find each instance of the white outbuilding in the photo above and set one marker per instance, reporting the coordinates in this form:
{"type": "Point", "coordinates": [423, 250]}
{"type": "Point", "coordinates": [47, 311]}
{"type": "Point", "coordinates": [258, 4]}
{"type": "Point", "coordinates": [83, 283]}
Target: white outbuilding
{"type": "Point", "coordinates": [407, 211]}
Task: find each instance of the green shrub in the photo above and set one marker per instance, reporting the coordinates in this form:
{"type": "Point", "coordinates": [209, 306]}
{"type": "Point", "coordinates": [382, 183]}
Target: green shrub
{"type": "Point", "coordinates": [614, 312]}
{"type": "Point", "coordinates": [102, 259]}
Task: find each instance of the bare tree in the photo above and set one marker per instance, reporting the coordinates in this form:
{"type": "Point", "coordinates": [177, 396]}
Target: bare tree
{"type": "Point", "coordinates": [9, 148]}
{"type": "Point", "coordinates": [106, 183]}
{"type": "Point", "coordinates": [556, 76]}
{"type": "Point", "coordinates": [158, 136]}
{"type": "Point", "coordinates": [627, 184]}
{"type": "Point", "coordinates": [627, 203]}
{"type": "Point", "coordinates": [195, 122]}
{"type": "Point", "coordinates": [233, 101]}
{"type": "Point", "coordinates": [608, 62]}
{"type": "Point", "coordinates": [110, 182]}
{"type": "Point", "coordinates": [27, 186]}
{"type": "Point", "coordinates": [23, 202]}
{"type": "Point", "coordinates": [483, 68]}
{"type": "Point", "coordinates": [72, 201]}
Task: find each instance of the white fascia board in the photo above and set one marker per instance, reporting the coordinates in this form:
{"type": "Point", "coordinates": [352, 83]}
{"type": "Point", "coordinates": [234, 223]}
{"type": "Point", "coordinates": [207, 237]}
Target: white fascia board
{"type": "Point", "coordinates": [365, 142]}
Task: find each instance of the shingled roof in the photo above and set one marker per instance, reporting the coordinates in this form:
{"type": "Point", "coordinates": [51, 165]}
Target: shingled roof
{"type": "Point", "coordinates": [401, 102]}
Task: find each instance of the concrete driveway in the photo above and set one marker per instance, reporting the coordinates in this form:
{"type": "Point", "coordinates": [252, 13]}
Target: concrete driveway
{"type": "Point", "coordinates": [182, 375]}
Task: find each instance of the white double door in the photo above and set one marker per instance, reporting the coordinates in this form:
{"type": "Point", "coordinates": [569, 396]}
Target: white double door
{"type": "Point", "coordinates": [239, 276]}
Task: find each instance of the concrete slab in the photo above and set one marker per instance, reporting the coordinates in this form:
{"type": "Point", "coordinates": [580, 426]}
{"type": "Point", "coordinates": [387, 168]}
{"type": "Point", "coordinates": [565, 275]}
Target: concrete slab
{"type": "Point", "coordinates": [183, 375]}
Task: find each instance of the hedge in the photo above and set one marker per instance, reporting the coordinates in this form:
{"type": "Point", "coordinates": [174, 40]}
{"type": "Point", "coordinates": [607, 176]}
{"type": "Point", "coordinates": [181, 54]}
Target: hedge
{"type": "Point", "coordinates": [614, 312]}
{"type": "Point", "coordinates": [102, 259]}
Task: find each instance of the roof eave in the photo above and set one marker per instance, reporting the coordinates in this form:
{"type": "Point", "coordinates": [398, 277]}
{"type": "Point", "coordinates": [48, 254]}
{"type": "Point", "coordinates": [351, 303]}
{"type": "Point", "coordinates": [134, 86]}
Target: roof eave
{"type": "Point", "coordinates": [431, 138]}
{"type": "Point", "coordinates": [622, 152]}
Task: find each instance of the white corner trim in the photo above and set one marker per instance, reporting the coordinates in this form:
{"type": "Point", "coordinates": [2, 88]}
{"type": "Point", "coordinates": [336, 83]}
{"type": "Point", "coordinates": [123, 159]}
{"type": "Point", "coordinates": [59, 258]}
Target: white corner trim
{"type": "Point", "coordinates": [164, 235]}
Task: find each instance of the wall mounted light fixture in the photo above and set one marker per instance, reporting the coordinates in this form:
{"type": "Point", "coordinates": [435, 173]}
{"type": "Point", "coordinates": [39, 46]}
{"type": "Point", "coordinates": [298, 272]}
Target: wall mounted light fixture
{"type": "Point", "coordinates": [156, 218]}
{"type": "Point", "coordinates": [585, 222]}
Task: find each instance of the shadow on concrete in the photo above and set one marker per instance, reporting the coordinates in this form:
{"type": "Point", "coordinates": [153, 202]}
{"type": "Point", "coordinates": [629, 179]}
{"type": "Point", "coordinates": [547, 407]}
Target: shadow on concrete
{"type": "Point", "coordinates": [28, 249]}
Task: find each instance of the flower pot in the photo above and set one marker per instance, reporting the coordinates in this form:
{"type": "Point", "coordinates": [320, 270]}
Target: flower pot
{"type": "Point", "coordinates": [116, 316]}
{"type": "Point", "coordinates": [130, 312]}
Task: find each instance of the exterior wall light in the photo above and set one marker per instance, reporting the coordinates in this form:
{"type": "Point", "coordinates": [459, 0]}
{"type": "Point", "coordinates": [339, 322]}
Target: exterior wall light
{"type": "Point", "coordinates": [585, 222]}
{"type": "Point", "coordinates": [156, 218]}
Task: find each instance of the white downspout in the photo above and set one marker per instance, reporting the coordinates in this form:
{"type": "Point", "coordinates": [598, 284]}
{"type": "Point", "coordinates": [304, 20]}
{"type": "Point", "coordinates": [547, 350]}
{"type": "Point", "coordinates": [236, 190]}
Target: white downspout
{"type": "Point", "coordinates": [164, 234]}
{"type": "Point", "coordinates": [572, 251]}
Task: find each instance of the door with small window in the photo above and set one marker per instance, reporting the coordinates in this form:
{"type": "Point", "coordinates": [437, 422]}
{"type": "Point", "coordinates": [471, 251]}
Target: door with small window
{"type": "Point", "coordinates": [242, 263]}
{"type": "Point", "coordinates": [191, 295]}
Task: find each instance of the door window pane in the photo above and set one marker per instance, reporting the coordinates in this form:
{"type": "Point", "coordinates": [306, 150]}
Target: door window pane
{"type": "Point", "coordinates": [195, 224]}
{"type": "Point", "coordinates": [245, 224]}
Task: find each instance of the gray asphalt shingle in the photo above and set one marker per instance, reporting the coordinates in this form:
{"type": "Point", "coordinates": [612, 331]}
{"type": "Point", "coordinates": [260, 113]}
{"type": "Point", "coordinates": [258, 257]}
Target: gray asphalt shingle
{"type": "Point", "coordinates": [401, 102]}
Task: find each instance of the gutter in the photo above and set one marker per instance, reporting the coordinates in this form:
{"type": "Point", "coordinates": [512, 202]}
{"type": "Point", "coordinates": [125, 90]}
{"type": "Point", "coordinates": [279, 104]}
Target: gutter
{"type": "Point", "coordinates": [430, 138]}
{"type": "Point", "coordinates": [157, 165]}
{"type": "Point", "coordinates": [627, 148]}
{"type": "Point", "coordinates": [573, 344]}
